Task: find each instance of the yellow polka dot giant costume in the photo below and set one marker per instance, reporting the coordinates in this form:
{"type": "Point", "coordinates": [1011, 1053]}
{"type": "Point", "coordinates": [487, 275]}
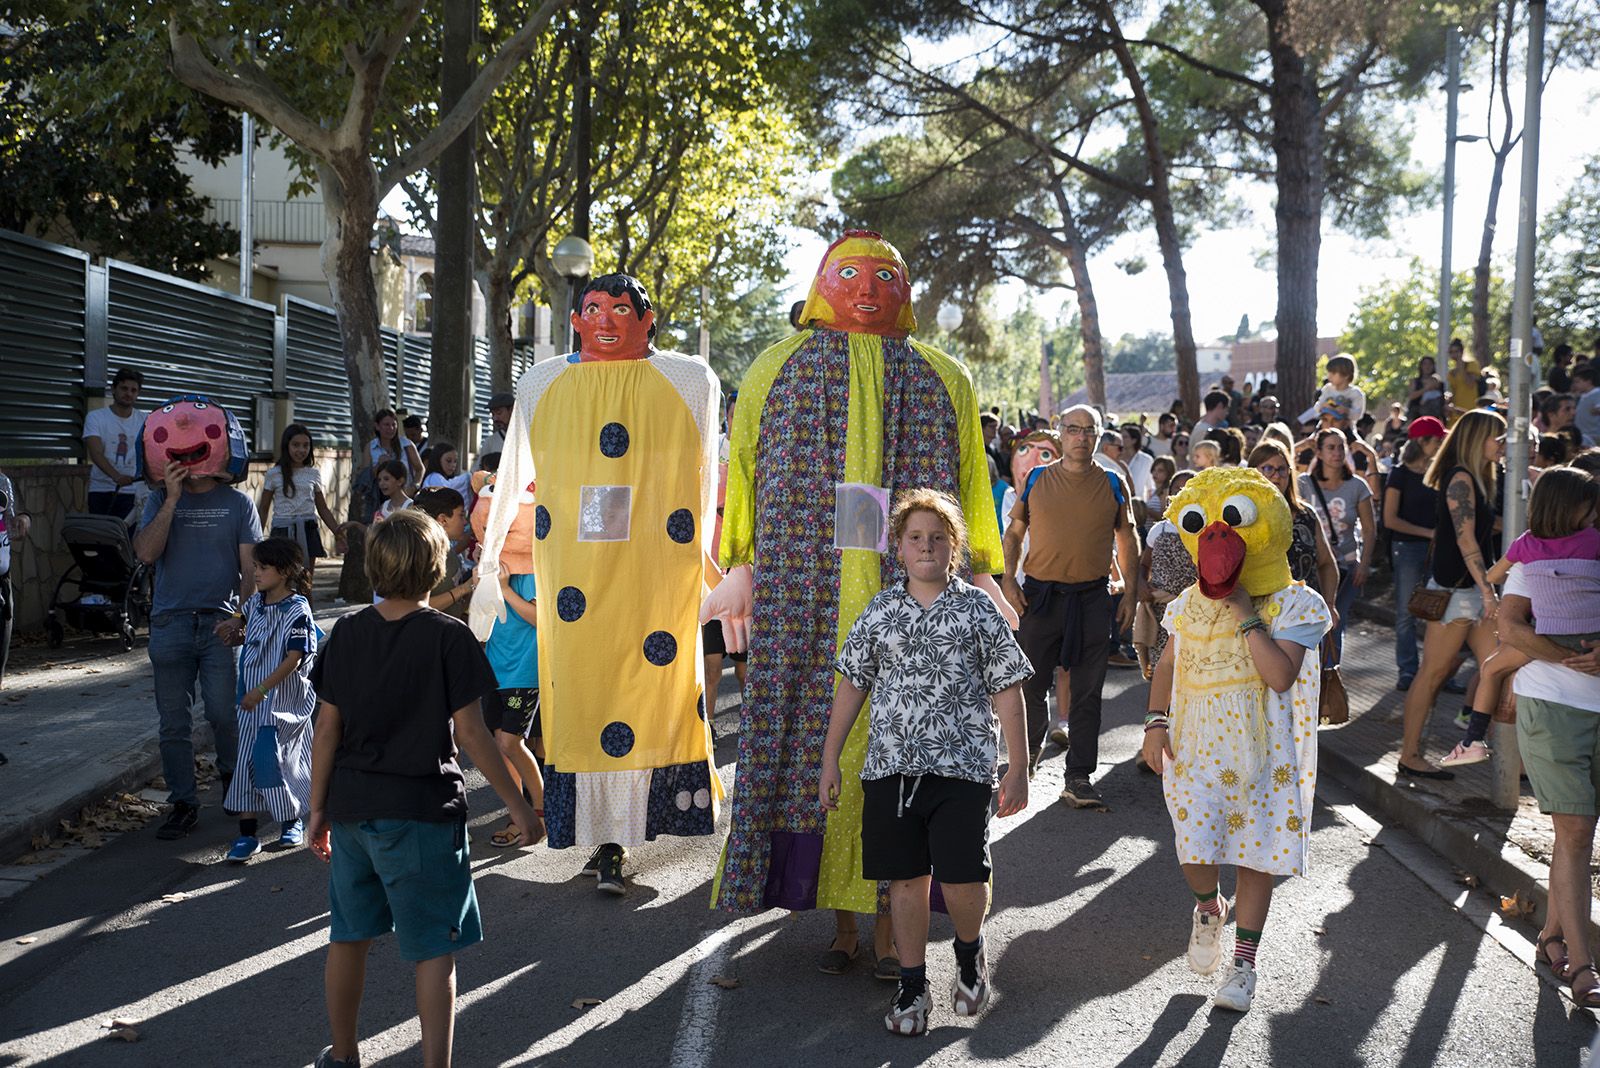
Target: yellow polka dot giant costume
{"type": "Point", "coordinates": [1244, 767]}
{"type": "Point", "coordinates": [624, 452]}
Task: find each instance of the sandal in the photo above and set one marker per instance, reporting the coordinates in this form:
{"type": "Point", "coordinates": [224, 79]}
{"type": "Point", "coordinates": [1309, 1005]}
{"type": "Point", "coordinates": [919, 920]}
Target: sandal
{"type": "Point", "coordinates": [1590, 998]}
{"type": "Point", "coordinates": [836, 960]}
{"type": "Point", "coordinates": [507, 837]}
{"type": "Point", "coordinates": [1558, 967]}
{"type": "Point", "coordinates": [887, 968]}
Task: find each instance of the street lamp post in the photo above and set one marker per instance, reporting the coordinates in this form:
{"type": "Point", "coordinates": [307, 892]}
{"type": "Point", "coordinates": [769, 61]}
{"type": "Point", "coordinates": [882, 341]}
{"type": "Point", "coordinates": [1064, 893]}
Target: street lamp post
{"type": "Point", "coordinates": [573, 259]}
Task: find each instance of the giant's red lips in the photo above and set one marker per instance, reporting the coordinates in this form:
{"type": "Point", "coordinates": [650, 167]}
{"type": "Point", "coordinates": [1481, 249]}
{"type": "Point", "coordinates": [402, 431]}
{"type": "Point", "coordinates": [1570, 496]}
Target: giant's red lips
{"type": "Point", "coordinates": [1219, 557]}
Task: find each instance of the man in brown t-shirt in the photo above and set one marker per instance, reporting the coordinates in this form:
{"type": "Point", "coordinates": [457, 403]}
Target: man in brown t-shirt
{"type": "Point", "coordinates": [1074, 513]}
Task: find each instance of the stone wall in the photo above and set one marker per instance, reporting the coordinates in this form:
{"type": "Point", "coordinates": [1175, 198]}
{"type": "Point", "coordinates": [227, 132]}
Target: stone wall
{"type": "Point", "coordinates": [48, 491]}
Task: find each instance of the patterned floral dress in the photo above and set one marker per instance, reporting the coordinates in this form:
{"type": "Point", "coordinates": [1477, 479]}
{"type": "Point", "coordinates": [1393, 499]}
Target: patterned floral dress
{"type": "Point", "coordinates": [819, 409]}
{"type": "Point", "coordinates": [1244, 768]}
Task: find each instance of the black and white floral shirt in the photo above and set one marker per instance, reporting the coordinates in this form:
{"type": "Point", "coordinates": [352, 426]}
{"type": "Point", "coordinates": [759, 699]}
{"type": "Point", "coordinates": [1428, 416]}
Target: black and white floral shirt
{"type": "Point", "coordinates": [931, 673]}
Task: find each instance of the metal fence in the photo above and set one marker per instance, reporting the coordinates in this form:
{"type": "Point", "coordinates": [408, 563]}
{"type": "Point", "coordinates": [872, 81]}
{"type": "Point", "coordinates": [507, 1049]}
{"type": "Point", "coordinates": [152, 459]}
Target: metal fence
{"type": "Point", "coordinates": [66, 322]}
{"type": "Point", "coordinates": [289, 222]}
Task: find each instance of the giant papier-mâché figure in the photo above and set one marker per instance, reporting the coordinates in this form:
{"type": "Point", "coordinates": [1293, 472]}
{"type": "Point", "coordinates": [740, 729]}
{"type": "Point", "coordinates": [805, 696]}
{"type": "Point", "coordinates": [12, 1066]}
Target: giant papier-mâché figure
{"type": "Point", "coordinates": [195, 431]}
{"type": "Point", "coordinates": [1243, 765]}
{"type": "Point", "coordinates": [845, 413]}
{"type": "Point", "coordinates": [622, 439]}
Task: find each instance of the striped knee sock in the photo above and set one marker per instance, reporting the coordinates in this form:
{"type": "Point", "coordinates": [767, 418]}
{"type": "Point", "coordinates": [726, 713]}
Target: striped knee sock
{"type": "Point", "coordinates": [1245, 944]}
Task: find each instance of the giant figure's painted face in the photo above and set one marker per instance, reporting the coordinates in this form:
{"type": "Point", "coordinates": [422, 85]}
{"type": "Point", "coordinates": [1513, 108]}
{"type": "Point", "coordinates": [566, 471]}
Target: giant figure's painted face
{"type": "Point", "coordinates": [516, 554]}
{"type": "Point", "coordinates": [194, 432]}
{"type": "Point", "coordinates": [861, 288]}
{"type": "Point", "coordinates": [613, 327]}
{"type": "Point", "coordinates": [1032, 450]}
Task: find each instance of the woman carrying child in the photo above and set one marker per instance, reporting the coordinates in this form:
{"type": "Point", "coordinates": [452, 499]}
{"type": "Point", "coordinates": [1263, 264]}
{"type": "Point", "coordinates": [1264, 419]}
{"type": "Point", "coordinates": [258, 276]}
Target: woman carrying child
{"type": "Point", "coordinates": [1561, 531]}
{"type": "Point", "coordinates": [938, 660]}
{"type": "Point", "coordinates": [273, 770]}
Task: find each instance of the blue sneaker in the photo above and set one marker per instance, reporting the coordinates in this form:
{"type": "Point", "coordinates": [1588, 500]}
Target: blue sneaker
{"type": "Point", "coordinates": [294, 833]}
{"type": "Point", "coordinates": [244, 847]}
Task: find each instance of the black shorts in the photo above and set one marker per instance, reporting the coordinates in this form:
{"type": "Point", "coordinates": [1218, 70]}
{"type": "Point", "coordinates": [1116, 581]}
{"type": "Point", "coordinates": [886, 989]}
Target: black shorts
{"type": "Point", "coordinates": [305, 532]}
{"type": "Point", "coordinates": [515, 711]}
{"type": "Point", "coordinates": [942, 828]}
{"type": "Point", "coordinates": [711, 643]}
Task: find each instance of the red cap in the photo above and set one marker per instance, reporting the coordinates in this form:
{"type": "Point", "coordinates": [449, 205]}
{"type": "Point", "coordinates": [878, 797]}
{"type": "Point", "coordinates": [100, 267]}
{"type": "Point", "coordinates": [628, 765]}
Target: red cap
{"type": "Point", "coordinates": [1425, 426]}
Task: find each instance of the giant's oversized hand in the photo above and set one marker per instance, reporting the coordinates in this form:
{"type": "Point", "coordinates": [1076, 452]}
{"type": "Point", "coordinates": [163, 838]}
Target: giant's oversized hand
{"type": "Point", "coordinates": [732, 603]}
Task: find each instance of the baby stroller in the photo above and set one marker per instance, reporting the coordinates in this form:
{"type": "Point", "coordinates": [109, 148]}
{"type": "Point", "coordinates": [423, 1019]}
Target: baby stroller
{"type": "Point", "coordinates": [110, 590]}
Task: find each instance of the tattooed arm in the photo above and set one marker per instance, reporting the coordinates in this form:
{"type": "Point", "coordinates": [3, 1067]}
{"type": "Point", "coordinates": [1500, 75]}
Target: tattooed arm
{"type": "Point", "coordinates": [1459, 497]}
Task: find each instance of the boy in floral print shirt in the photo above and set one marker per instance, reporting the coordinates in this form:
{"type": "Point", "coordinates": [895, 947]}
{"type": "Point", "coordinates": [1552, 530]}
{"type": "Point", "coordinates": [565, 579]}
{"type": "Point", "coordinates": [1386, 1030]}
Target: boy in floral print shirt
{"type": "Point", "coordinates": [939, 662]}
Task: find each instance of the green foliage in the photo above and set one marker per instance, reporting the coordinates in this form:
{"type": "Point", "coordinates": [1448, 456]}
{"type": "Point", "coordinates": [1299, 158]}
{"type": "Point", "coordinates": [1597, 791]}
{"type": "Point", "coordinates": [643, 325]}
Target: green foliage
{"type": "Point", "coordinates": [744, 324]}
{"type": "Point", "coordinates": [1567, 297]}
{"type": "Point", "coordinates": [1395, 324]}
{"type": "Point", "coordinates": [1007, 375]}
{"type": "Point", "coordinates": [87, 169]}
{"type": "Point", "coordinates": [1134, 354]}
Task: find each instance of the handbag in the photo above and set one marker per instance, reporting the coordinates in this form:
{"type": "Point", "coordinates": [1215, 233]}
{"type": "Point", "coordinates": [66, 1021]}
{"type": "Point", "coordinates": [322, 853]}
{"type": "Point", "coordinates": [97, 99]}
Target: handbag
{"type": "Point", "coordinates": [1333, 704]}
{"type": "Point", "coordinates": [1428, 604]}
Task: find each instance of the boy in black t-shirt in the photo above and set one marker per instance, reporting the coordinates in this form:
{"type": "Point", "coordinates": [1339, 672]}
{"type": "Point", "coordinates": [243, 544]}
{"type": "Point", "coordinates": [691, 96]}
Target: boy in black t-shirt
{"type": "Point", "coordinates": [388, 803]}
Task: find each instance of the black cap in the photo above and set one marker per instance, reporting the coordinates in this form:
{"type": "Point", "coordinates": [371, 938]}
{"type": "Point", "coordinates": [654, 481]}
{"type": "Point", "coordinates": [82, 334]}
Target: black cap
{"type": "Point", "coordinates": [503, 400]}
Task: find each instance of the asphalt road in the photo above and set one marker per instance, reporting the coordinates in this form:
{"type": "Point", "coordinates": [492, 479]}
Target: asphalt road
{"type": "Point", "coordinates": [1362, 963]}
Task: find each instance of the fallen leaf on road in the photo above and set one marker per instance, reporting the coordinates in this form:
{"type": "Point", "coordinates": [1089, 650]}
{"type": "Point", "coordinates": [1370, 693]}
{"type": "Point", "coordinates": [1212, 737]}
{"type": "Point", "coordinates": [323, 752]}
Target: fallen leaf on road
{"type": "Point", "coordinates": [121, 1021]}
{"type": "Point", "coordinates": [1516, 906]}
{"type": "Point", "coordinates": [1145, 956]}
{"type": "Point", "coordinates": [584, 1003]}
{"type": "Point", "coordinates": [30, 940]}
{"type": "Point", "coordinates": [1319, 931]}
{"type": "Point", "coordinates": [1467, 879]}
{"type": "Point", "coordinates": [724, 982]}
{"type": "Point", "coordinates": [176, 896]}
{"type": "Point", "coordinates": [277, 890]}
{"type": "Point", "coordinates": [127, 1034]}
{"type": "Point", "coordinates": [1323, 1001]}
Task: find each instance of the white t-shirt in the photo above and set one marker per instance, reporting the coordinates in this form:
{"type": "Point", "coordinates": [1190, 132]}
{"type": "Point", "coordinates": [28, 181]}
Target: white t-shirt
{"type": "Point", "coordinates": [1160, 446]}
{"type": "Point", "coordinates": [303, 505]}
{"type": "Point", "coordinates": [1546, 681]}
{"type": "Point", "coordinates": [1139, 468]}
{"type": "Point", "coordinates": [462, 483]}
{"type": "Point", "coordinates": [119, 436]}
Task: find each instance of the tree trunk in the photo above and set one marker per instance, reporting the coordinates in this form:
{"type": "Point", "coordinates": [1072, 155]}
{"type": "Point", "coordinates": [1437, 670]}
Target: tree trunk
{"type": "Point", "coordinates": [1094, 353]}
{"type": "Point", "coordinates": [1166, 224]}
{"type": "Point", "coordinates": [1297, 144]}
{"type": "Point", "coordinates": [498, 298]}
{"type": "Point", "coordinates": [455, 239]}
{"type": "Point", "coordinates": [350, 203]}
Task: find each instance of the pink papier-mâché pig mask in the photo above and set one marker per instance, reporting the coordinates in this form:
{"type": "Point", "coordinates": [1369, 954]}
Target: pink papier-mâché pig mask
{"type": "Point", "coordinates": [202, 436]}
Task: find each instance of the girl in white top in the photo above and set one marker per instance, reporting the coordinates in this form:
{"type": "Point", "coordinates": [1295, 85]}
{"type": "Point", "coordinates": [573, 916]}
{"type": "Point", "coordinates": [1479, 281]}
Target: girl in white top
{"type": "Point", "coordinates": [444, 469]}
{"type": "Point", "coordinates": [292, 494]}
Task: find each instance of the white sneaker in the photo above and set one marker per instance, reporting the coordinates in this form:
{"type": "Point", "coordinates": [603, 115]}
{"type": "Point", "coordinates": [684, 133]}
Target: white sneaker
{"type": "Point", "coordinates": [907, 1016]}
{"type": "Point", "coordinates": [1238, 988]}
{"type": "Point", "coordinates": [969, 1001]}
{"type": "Point", "coordinates": [1205, 938]}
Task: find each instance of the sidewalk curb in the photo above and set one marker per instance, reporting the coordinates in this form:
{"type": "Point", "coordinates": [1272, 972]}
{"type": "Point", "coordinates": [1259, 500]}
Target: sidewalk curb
{"type": "Point", "coordinates": [1501, 868]}
{"type": "Point", "coordinates": [142, 765]}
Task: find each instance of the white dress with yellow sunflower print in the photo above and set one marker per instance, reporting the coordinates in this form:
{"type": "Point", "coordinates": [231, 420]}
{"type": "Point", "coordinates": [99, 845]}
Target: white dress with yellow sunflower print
{"type": "Point", "coordinates": [1244, 768]}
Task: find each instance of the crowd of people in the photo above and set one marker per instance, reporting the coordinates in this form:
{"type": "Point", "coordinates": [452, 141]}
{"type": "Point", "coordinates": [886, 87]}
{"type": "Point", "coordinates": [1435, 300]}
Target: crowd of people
{"type": "Point", "coordinates": [1220, 558]}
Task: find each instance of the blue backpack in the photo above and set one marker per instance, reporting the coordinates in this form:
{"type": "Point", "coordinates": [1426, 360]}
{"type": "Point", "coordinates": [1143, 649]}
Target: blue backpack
{"type": "Point", "coordinates": [1116, 486]}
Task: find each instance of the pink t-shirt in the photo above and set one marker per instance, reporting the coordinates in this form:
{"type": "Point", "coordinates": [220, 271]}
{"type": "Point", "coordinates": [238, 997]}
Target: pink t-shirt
{"type": "Point", "coordinates": [1527, 549]}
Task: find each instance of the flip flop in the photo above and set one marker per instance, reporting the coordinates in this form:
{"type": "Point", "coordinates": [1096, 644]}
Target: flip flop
{"type": "Point", "coordinates": [834, 961]}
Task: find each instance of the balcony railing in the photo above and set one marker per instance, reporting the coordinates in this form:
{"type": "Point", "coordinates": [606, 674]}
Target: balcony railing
{"type": "Point", "coordinates": [288, 222]}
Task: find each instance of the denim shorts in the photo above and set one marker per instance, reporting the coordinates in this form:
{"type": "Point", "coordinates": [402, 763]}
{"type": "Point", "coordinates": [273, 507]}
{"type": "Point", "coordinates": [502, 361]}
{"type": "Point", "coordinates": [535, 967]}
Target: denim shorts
{"type": "Point", "coordinates": [411, 877]}
{"type": "Point", "coordinates": [1466, 606]}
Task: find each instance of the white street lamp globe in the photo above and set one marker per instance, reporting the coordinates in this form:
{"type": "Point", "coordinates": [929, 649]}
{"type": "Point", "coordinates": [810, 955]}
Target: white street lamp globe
{"type": "Point", "coordinates": [572, 257]}
{"type": "Point", "coordinates": [949, 318]}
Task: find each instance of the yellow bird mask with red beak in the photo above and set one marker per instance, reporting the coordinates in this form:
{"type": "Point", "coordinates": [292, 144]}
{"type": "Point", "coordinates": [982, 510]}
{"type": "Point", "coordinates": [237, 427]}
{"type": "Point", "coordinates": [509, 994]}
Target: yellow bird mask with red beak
{"type": "Point", "coordinates": [1237, 527]}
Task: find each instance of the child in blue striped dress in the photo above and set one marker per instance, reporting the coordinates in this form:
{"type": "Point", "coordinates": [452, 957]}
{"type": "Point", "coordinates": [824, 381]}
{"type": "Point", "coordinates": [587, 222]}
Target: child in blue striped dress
{"type": "Point", "coordinates": [273, 772]}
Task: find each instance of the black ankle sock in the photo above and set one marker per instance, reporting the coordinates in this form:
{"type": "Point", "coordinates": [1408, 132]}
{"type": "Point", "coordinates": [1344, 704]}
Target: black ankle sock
{"type": "Point", "coordinates": [1478, 727]}
{"type": "Point", "coordinates": [967, 960]}
{"type": "Point", "coordinates": [247, 827]}
{"type": "Point", "coordinates": [913, 981]}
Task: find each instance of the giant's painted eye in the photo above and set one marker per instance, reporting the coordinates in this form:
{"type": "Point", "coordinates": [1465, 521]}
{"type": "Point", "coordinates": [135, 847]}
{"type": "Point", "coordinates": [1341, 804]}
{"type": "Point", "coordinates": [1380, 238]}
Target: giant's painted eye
{"type": "Point", "coordinates": [1238, 511]}
{"type": "Point", "coordinates": [886, 274]}
{"type": "Point", "coordinates": [1192, 519]}
{"type": "Point", "coordinates": [199, 406]}
{"type": "Point", "coordinates": [168, 408]}
{"type": "Point", "coordinates": [848, 272]}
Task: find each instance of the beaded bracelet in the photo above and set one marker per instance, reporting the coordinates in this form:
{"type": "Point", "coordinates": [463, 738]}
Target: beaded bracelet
{"type": "Point", "coordinates": [1152, 720]}
{"type": "Point", "coordinates": [1253, 623]}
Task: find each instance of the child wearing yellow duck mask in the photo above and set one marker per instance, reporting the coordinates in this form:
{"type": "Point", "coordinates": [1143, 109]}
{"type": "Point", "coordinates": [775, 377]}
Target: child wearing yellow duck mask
{"type": "Point", "coordinates": [1232, 727]}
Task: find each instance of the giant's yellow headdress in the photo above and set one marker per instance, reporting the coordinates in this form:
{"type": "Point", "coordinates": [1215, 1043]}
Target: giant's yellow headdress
{"type": "Point", "coordinates": [820, 306]}
{"type": "Point", "coordinates": [1237, 527]}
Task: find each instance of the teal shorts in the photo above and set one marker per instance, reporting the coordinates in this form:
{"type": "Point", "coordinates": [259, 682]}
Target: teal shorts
{"type": "Point", "coordinates": [1560, 747]}
{"type": "Point", "coordinates": [411, 877]}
